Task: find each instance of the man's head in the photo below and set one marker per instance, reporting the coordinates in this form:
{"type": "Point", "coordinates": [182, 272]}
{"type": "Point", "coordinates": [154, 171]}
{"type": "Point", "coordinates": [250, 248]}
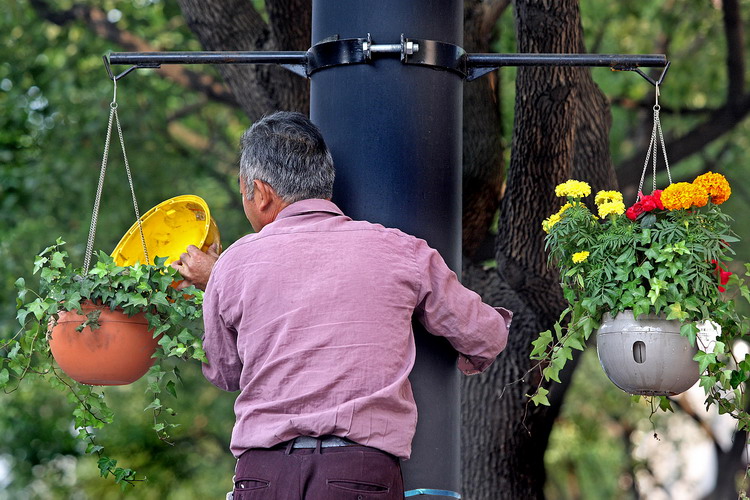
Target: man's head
{"type": "Point", "coordinates": [287, 152]}
{"type": "Point", "coordinates": [283, 159]}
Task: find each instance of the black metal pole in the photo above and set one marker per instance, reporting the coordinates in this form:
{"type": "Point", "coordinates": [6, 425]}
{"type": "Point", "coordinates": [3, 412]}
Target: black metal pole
{"type": "Point", "coordinates": [395, 134]}
{"type": "Point", "coordinates": [147, 59]}
{"type": "Point", "coordinates": [604, 60]}
{"type": "Point", "coordinates": [216, 57]}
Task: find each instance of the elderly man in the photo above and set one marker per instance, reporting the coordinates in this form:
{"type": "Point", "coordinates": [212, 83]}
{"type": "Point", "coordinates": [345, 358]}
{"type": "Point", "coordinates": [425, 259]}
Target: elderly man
{"type": "Point", "coordinates": [310, 318]}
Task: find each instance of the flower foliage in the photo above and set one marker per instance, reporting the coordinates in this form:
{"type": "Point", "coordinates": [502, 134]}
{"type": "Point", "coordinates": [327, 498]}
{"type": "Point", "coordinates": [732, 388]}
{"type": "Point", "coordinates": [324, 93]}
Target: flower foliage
{"type": "Point", "coordinates": [173, 315]}
{"type": "Point", "coordinates": [665, 254]}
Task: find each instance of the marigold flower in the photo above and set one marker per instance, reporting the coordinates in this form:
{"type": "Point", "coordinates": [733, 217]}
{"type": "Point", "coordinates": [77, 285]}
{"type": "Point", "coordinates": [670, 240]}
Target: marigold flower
{"type": "Point", "coordinates": [579, 257]}
{"type": "Point", "coordinates": [573, 188]}
{"type": "Point", "coordinates": [550, 221]}
{"type": "Point", "coordinates": [564, 208]}
{"type": "Point", "coordinates": [607, 197]}
{"type": "Point", "coordinates": [716, 185]}
{"type": "Point", "coordinates": [611, 208]}
{"type": "Point", "coordinates": [683, 195]}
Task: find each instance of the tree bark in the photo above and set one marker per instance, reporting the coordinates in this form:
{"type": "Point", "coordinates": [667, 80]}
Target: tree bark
{"type": "Point", "coordinates": [483, 165]}
{"type": "Point", "coordinates": [236, 25]}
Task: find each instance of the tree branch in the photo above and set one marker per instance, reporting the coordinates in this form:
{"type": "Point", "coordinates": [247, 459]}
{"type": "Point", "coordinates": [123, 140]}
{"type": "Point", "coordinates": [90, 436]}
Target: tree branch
{"type": "Point", "coordinates": [97, 21]}
{"type": "Point", "coordinates": [491, 12]}
{"type": "Point", "coordinates": [645, 105]}
{"type": "Point", "coordinates": [735, 49]}
{"type": "Point", "coordinates": [236, 25]}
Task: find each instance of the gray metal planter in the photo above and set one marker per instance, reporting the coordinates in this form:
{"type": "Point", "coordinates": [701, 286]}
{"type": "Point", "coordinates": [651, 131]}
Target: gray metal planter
{"type": "Point", "coordinates": [647, 356]}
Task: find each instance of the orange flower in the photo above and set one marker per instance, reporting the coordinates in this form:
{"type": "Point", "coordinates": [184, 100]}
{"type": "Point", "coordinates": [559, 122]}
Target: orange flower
{"type": "Point", "coordinates": [716, 185]}
{"type": "Point", "coordinates": [684, 195]}
{"type": "Point", "coordinates": [700, 195]}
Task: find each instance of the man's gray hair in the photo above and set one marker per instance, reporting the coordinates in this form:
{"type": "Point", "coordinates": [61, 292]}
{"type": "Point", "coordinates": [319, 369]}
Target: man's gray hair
{"type": "Point", "coordinates": [287, 151]}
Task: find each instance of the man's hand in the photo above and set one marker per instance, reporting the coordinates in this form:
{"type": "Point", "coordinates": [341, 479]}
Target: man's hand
{"type": "Point", "coordinates": [195, 266]}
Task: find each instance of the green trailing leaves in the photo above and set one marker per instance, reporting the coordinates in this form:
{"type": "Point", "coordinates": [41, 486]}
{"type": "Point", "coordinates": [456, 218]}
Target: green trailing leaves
{"type": "Point", "coordinates": [175, 317]}
{"type": "Point", "coordinates": [653, 261]}
{"type": "Point", "coordinates": [540, 397]}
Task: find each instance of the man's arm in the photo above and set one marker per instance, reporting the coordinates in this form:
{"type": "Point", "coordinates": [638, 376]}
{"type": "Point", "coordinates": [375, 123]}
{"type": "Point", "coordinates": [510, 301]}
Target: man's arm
{"type": "Point", "coordinates": [448, 309]}
{"type": "Point", "coordinates": [220, 343]}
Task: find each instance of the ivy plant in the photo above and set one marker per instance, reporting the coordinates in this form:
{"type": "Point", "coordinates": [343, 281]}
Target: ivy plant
{"type": "Point", "coordinates": [175, 316]}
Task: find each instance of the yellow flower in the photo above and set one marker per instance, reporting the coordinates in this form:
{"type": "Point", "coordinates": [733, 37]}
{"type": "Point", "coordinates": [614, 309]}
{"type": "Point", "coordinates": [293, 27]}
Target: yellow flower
{"type": "Point", "coordinates": [555, 218]}
{"type": "Point", "coordinates": [564, 208]}
{"type": "Point", "coordinates": [611, 208]}
{"type": "Point", "coordinates": [579, 257]}
{"type": "Point", "coordinates": [683, 195]}
{"type": "Point", "coordinates": [716, 185]}
{"type": "Point", "coordinates": [550, 221]}
{"type": "Point", "coordinates": [573, 188]}
{"type": "Point", "coordinates": [607, 197]}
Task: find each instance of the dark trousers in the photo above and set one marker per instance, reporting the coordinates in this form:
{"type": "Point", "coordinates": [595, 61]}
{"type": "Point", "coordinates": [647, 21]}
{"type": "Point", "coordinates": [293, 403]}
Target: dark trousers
{"type": "Point", "coordinates": [338, 473]}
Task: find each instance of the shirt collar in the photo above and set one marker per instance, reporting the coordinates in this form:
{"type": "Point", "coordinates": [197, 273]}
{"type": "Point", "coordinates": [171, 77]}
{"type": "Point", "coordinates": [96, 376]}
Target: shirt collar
{"type": "Point", "coordinates": [308, 206]}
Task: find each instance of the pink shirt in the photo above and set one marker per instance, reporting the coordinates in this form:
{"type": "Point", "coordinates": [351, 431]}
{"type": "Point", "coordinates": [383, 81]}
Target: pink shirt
{"type": "Point", "coordinates": [310, 319]}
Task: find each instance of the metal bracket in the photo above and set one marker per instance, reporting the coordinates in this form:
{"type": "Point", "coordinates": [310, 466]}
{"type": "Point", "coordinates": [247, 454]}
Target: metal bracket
{"type": "Point", "coordinates": [336, 52]}
{"type": "Point", "coordinates": [114, 77]}
{"type": "Point", "coordinates": [438, 55]}
{"type": "Point", "coordinates": [655, 83]}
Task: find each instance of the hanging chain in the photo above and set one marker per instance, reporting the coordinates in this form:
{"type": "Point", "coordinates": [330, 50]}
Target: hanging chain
{"type": "Point", "coordinates": [132, 191]}
{"type": "Point", "coordinates": [661, 136]}
{"type": "Point", "coordinates": [102, 173]}
{"type": "Point", "coordinates": [97, 199]}
{"type": "Point", "coordinates": [653, 150]}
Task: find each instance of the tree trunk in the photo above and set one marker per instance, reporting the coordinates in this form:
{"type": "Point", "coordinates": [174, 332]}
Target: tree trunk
{"type": "Point", "coordinates": [236, 25]}
{"type": "Point", "coordinates": [483, 165]}
{"type": "Point", "coordinates": [561, 129]}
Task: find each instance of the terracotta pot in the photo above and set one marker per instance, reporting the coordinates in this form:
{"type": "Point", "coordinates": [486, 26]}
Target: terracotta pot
{"type": "Point", "coordinates": [117, 353]}
{"type": "Point", "coordinates": [647, 356]}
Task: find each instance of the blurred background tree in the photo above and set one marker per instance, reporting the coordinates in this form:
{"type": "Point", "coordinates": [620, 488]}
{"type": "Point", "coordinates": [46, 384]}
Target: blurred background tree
{"type": "Point", "coordinates": [181, 128]}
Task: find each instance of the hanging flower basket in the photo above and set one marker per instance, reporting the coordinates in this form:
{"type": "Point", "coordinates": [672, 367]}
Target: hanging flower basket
{"type": "Point", "coordinates": [118, 352]}
{"type": "Point", "coordinates": [646, 356]}
{"type": "Point", "coordinates": [111, 344]}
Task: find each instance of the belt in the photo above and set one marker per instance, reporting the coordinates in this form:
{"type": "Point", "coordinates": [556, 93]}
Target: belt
{"type": "Point", "coordinates": [325, 442]}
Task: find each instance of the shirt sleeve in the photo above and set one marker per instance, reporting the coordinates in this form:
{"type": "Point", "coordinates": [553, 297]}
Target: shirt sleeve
{"type": "Point", "coordinates": [220, 343]}
{"type": "Point", "coordinates": [446, 308]}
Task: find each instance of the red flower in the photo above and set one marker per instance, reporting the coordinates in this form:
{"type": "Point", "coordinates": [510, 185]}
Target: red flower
{"type": "Point", "coordinates": [648, 203]}
{"type": "Point", "coordinates": [633, 212]}
{"type": "Point", "coordinates": [656, 195]}
{"type": "Point", "coordinates": [723, 275]}
{"type": "Point", "coordinates": [645, 203]}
